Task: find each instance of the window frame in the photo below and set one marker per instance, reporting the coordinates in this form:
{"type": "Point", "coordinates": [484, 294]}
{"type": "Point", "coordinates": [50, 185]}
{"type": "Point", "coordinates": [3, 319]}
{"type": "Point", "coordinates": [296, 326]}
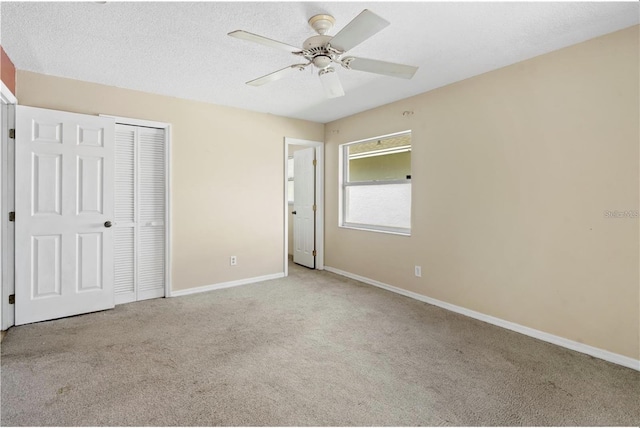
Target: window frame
{"type": "Point", "coordinates": [344, 184]}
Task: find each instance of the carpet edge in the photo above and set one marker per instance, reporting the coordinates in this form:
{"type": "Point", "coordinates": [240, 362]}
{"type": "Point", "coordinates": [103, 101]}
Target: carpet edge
{"type": "Point", "coordinates": [602, 354]}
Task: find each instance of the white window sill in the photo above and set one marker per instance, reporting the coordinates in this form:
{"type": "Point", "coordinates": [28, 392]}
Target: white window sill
{"type": "Point", "coordinates": [367, 229]}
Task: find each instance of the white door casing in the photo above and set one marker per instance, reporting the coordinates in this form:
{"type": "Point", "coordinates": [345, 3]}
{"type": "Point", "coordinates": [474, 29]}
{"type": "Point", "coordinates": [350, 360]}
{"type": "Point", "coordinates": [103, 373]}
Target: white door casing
{"type": "Point", "coordinates": [303, 206]}
{"type": "Point", "coordinates": [64, 201]}
{"type": "Point", "coordinates": [8, 103]}
{"type": "Point", "coordinates": [319, 191]}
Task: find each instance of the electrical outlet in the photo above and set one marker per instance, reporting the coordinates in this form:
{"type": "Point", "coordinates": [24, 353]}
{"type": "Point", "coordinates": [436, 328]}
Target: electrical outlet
{"type": "Point", "coordinates": [419, 271]}
{"type": "Point", "coordinates": [233, 261]}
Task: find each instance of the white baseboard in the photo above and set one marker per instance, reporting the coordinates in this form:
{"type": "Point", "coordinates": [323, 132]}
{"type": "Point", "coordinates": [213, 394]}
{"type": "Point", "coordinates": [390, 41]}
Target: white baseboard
{"type": "Point", "coordinates": [227, 284]}
{"type": "Point", "coordinates": [547, 337]}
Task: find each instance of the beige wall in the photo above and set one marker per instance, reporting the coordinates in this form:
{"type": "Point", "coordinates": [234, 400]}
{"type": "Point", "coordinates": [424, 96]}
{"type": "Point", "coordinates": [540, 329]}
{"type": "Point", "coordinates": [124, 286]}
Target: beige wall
{"type": "Point", "coordinates": [227, 174]}
{"type": "Point", "coordinates": [512, 172]}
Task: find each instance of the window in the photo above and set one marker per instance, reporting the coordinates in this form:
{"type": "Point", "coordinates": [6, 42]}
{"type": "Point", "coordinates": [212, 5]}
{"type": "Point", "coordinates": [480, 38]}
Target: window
{"type": "Point", "coordinates": [376, 184]}
{"type": "Point", "coordinates": [290, 180]}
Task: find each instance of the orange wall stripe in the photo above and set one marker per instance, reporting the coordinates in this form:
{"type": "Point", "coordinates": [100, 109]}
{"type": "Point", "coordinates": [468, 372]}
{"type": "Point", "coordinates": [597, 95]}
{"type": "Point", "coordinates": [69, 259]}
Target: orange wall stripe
{"type": "Point", "coordinates": [7, 71]}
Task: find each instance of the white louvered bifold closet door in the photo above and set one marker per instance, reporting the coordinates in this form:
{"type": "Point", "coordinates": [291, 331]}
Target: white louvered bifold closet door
{"type": "Point", "coordinates": [140, 213]}
{"type": "Point", "coordinates": [125, 214]}
{"type": "Point", "coordinates": [151, 203]}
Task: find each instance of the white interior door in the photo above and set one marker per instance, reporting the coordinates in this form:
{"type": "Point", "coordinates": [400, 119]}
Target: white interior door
{"type": "Point", "coordinates": [304, 207]}
{"type": "Point", "coordinates": [64, 210]}
{"type": "Point", "coordinates": [125, 214]}
{"type": "Point", "coordinates": [140, 198]}
{"type": "Point", "coordinates": [151, 217]}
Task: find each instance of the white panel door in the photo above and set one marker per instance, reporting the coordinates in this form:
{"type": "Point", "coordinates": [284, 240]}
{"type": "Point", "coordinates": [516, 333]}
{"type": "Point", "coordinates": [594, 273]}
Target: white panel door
{"type": "Point", "coordinates": [64, 210]}
{"type": "Point", "coordinates": [303, 207]}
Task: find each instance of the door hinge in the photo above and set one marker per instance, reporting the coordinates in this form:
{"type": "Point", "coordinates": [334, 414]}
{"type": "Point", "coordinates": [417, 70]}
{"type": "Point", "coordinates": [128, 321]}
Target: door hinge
{"type": "Point", "coordinates": [12, 299]}
{"type": "Point", "coordinates": [314, 207]}
{"type": "Point", "coordinates": [315, 162]}
{"type": "Point", "coordinates": [314, 253]}
{"type": "Point", "coordinates": [12, 133]}
{"type": "Point", "coordinates": [12, 216]}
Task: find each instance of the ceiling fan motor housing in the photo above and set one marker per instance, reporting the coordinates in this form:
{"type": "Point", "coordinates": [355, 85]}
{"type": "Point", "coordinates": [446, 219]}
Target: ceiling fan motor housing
{"type": "Point", "coordinates": [315, 43]}
{"type": "Point", "coordinates": [315, 50]}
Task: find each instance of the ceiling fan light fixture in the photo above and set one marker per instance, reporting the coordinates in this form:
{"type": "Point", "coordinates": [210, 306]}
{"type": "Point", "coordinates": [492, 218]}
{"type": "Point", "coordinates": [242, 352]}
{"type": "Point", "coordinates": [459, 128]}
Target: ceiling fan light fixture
{"type": "Point", "coordinates": [331, 82]}
{"type": "Point", "coordinates": [321, 61]}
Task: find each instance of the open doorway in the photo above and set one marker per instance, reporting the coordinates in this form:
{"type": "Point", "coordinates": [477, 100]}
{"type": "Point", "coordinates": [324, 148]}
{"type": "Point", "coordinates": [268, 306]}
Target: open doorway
{"type": "Point", "coordinates": [291, 146]}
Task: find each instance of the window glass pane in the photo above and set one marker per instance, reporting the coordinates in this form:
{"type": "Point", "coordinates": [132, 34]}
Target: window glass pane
{"type": "Point", "coordinates": [381, 159]}
{"type": "Point", "coordinates": [290, 190]}
{"type": "Point", "coordinates": [379, 205]}
{"type": "Point", "coordinates": [290, 168]}
{"type": "Point", "coordinates": [395, 166]}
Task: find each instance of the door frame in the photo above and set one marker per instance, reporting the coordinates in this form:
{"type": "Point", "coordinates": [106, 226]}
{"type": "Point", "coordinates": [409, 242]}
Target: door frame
{"type": "Point", "coordinates": [319, 223]}
{"type": "Point", "coordinates": [7, 239]}
{"type": "Point", "coordinates": [167, 213]}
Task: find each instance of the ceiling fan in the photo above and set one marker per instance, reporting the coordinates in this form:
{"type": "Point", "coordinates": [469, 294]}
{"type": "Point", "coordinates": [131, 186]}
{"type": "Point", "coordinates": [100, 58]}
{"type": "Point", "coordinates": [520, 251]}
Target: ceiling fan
{"type": "Point", "coordinates": [322, 50]}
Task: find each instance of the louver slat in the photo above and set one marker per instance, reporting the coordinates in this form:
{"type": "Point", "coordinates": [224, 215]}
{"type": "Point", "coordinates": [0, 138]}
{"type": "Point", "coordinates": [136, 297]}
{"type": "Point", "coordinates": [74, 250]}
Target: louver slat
{"type": "Point", "coordinates": [151, 258]}
{"type": "Point", "coordinates": [124, 260]}
{"type": "Point", "coordinates": [151, 175]}
{"type": "Point", "coordinates": [125, 174]}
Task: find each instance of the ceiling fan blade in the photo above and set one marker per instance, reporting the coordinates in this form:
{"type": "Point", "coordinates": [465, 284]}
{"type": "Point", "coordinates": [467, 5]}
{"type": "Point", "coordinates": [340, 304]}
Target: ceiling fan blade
{"type": "Point", "coordinates": [276, 75]}
{"type": "Point", "coordinates": [331, 83]}
{"type": "Point", "coordinates": [380, 67]}
{"type": "Point", "coordinates": [244, 35]}
{"type": "Point", "coordinates": [358, 30]}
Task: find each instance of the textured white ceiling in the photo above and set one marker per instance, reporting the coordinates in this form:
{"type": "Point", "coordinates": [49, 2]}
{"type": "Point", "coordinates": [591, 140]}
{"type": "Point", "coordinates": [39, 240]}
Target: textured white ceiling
{"type": "Point", "coordinates": [182, 49]}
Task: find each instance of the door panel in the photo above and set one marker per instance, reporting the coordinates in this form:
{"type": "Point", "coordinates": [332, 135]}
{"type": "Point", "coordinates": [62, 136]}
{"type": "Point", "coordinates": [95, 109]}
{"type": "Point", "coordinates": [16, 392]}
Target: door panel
{"type": "Point", "coordinates": [89, 267]}
{"type": "Point", "coordinates": [46, 269]}
{"type": "Point", "coordinates": [64, 196]}
{"type": "Point", "coordinates": [47, 192]}
{"type": "Point", "coordinates": [304, 200]}
{"type": "Point", "coordinates": [90, 185]}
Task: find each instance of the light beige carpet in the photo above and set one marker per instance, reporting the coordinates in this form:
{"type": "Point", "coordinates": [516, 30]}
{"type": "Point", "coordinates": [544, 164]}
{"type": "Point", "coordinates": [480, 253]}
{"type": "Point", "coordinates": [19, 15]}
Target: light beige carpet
{"type": "Point", "coordinates": [311, 349]}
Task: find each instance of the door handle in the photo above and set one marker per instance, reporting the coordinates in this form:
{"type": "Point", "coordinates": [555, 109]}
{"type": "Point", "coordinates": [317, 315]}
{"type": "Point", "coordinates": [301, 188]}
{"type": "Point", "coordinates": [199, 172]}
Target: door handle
{"type": "Point", "coordinates": [108, 224]}
{"type": "Point", "coordinates": [294, 212]}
